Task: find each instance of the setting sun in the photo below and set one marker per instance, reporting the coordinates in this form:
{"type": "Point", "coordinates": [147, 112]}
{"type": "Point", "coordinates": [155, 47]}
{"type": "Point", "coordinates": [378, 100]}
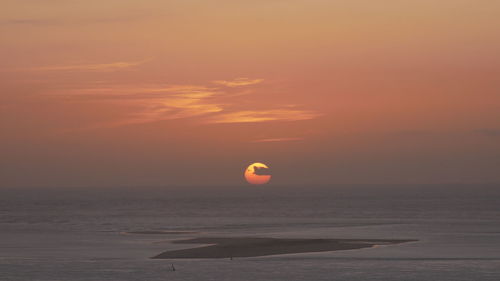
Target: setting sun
{"type": "Point", "coordinates": [257, 174]}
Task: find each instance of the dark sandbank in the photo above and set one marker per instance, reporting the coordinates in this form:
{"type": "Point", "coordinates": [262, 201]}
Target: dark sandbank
{"type": "Point", "coordinates": [160, 232]}
{"type": "Point", "coordinates": [255, 247]}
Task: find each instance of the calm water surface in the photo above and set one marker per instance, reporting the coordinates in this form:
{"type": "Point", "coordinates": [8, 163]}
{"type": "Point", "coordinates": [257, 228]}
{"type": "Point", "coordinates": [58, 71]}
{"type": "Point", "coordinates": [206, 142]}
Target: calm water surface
{"type": "Point", "coordinates": [49, 234]}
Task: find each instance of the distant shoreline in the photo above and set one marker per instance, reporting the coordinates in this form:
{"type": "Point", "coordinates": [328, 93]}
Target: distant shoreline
{"type": "Point", "coordinates": [159, 232]}
{"type": "Point", "coordinates": [255, 247]}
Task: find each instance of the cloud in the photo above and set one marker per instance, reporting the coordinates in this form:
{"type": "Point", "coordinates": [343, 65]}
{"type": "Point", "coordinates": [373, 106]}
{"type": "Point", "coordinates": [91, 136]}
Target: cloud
{"type": "Point", "coordinates": [250, 116]}
{"type": "Point", "coordinates": [154, 104]}
{"type": "Point", "coordinates": [28, 22]}
{"type": "Point", "coordinates": [261, 171]}
{"type": "Point", "coordinates": [71, 21]}
{"type": "Point", "coordinates": [277, 139]}
{"type": "Point", "coordinates": [489, 132]}
{"type": "Point", "coordinates": [169, 109]}
{"type": "Point", "coordinates": [209, 104]}
{"type": "Point", "coordinates": [88, 67]}
{"type": "Point", "coordinates": [238, 82]}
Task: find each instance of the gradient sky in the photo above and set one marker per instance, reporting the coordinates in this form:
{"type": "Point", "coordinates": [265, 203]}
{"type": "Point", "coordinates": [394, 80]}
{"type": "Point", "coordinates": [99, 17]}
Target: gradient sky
{"type": "Point", "coordinates": [182, 92]}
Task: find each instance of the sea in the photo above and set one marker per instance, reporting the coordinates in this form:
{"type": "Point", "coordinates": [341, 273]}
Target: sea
{"type": "Point", "coordinates": [65, 234]}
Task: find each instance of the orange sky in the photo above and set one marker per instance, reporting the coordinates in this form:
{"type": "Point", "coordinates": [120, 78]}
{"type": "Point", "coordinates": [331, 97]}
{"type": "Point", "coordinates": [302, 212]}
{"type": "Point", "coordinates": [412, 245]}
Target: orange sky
{"type": "Point", "coordinates": [114, 92]}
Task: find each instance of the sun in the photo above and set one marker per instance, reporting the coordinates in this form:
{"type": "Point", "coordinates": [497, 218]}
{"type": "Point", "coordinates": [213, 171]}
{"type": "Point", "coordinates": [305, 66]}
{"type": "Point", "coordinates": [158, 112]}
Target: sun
{"type": "Point", "coordinates": [257, 174]}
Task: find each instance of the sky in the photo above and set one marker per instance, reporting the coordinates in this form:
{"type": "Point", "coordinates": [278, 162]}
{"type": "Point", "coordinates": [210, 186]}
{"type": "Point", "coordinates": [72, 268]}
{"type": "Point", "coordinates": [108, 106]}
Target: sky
{"type": "Point", "coordinates": [104, 93]}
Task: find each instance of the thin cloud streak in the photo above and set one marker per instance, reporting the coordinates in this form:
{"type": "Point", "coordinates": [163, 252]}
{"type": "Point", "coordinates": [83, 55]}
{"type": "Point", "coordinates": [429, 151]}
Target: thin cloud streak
{"type": "Point", "coordinates": [154, 104]}
{"type": "Point", "coordinates": [238, 82]}
{"type": "Point", "coordinates": [252, 116]}
{"type": "Point", "coordinates": [489, 132]}
{"type": "Point", "coordinates": [278, 139]}
{"type": "Point", "coordinates": [73, 21]}
{"type": "Point", "coordinates": [26, 21]}
{"type": "Point", "coordinates": [170, 109]}
{"type": "Point", "coordinates": [89, 67]}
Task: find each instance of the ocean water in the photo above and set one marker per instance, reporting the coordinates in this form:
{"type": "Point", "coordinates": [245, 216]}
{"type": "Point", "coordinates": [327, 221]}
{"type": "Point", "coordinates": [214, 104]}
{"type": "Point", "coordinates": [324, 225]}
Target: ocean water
{"type": "Point", "coordinates": [82, 234]}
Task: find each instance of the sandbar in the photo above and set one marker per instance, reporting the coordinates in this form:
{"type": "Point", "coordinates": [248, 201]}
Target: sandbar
{"type": "Point", "coordinates": [160, 232]}
{"type": "Point", "coordinates": [234, 247]}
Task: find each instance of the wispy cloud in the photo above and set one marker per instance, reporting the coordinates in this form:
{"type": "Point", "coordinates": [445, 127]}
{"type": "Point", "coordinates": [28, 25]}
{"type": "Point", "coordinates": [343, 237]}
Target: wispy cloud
{"type": "Point", "coordinates": [152, 104]}
{"type": "Point", "coordinates": [88, 67]}
{"type": "Point", "coordinates": [26, 21]}
{"type": "Point", "coordinates": [169, 109]}
{"type": "Point", "coordinates": [238, 82]}
{"type": "Point", "coordinates": [247, 116]}
{"type": "Point", "coordinates": [489, 132]}
{"type": "Point", "coordinates": [277, 139]}
{"type": "Point", "coordinates": [209, 104]}
{"type": "Point", "coordinates": [71, 21]}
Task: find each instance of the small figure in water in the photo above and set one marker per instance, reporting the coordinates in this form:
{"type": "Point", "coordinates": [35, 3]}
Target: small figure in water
{"type": "Point", "coordinates": [173, 267]}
